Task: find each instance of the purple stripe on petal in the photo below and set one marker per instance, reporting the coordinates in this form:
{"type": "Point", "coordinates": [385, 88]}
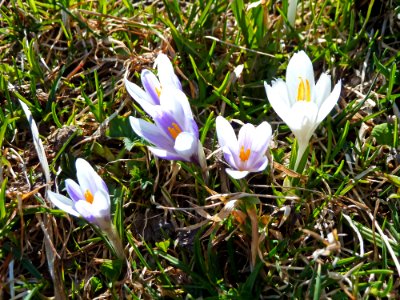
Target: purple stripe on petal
{"type": "Point", "coordinates": [74, 190]}
{"type": "Point", "coordinates": [84, 208]}
{"type": "Point", "coordinates": [151, 85]}
{"type": "Point", "coordinates": [151, 133]}
{"type": "Point", "coordinates": [165, 123]}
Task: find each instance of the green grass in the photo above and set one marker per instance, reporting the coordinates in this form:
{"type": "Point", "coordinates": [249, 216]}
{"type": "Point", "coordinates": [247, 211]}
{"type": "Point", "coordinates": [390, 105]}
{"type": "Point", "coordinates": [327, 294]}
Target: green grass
{"type": "Point", "coordinates": [66, 61]}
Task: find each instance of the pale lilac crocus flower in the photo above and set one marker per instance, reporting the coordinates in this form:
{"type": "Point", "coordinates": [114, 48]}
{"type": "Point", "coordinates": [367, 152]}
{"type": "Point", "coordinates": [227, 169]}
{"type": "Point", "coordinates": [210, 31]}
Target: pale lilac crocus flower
{"type": "Point", "coordinates": [174, 133]}
{"type": "Point", "coordinates": [152, 85]}
{"type": "Point", "coordinates": [89, 199]}
{"type": "Point", "coordinates": [246, 153]}
{"type": "Point", "coordinates": [301, 103]}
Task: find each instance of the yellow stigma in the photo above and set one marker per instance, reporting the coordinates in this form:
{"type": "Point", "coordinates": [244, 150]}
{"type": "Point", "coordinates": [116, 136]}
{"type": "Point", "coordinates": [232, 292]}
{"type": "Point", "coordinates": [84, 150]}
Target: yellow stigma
{"type": "Point", "coordinates": [244, 155]}
{"type": "Point", "coordinates": [88, 196]}
{"type": "Point", "coordinates": [158, 91]}
{"type": "Point", "coordinates": [303, 90]}
{"type": "Point", "coordinates": [174, 130]}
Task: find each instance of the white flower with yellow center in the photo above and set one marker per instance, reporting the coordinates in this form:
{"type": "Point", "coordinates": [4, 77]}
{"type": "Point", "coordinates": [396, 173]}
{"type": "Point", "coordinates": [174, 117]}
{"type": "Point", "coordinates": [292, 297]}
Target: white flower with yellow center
{"type": "Point", "coordinates": [88, 199]}
{"type": "Point", "coordinates": [301, 103]}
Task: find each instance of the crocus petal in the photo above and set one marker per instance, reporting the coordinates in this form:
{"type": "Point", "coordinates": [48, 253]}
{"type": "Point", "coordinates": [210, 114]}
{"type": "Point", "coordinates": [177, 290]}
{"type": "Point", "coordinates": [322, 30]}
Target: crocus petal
{"type": "Point", "coordinates": [74, 190]}
{"type": "Point", "coordinates": [62, 203]}
{"type": "Point", "coordinates": [236, 174]}
{"type": "Point", "coordinates": [303, 120]}
{"type": "Point", "coordinates": [140, 96]}
{"type": "Point", "coordinates": [85, 210]}
{"type": "Point", "coordinates": [299, 67]}
{"type": "Point", "coordinates": [262, 134]}
{"type": "Point", "coordinates": [323, 88]}
{"type": "Point", "coordinates": [151, 86]}
{"type": "Point", "coordinates": [175, 103]}
{"type": "Point", "coordinates": [330, 102]}
{"type": "Point", "coordinates": [151, 133]}
{"type": "Point", "coordinates": [165, 154]}
{"type": "Point", "coordinates": [166, 72]}
{"type": "Point", "coordinates": [260, 165]}
{"type": "Point", "coordinates": [279, 98]}
{"type": "Point", "coordinates": [87, 177]}
{"type": "Point", "coordinates": [101, 205]}
{"type": "Point", "coordinates": [186, 145]}
{"type": "Point", "coordinates": [261, 138]}
{"type": "Point", "coordinates": [231, 158]}
{"type": "Point", "coordinates": [246, 136]}
{"type": "Point", "coordinates": [226, 135]}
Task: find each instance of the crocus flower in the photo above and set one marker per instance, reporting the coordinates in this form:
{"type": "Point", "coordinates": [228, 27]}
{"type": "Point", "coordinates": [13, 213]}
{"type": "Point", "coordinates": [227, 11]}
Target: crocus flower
{"type": "Point", "coordinates": [153, 86]}
{"type": "Point", "coordinates": [174, 133]}
{"type": "Point", "coordinates": [89, 198]}
{"type": "Point", "coordinates": [301, 103]}
{"type": "Point", "coordinates": [246, 153]}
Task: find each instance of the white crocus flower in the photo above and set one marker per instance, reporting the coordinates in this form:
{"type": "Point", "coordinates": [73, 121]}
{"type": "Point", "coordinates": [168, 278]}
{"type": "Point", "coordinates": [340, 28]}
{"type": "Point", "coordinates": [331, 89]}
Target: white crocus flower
{"type": "Point", "coordinates": [301, 103]}
{"type": "Point", "coordinates": [245, 153]}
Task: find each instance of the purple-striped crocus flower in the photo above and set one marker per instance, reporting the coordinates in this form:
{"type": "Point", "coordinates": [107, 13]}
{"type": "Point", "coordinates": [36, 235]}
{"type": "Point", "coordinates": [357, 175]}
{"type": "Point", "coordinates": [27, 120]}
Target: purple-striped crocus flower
{"type": "Point", "coordinates": [152, 85]}
{"type": "Point", "coordinates": [174, 133]}
{"type": "Point", "coordinates": [246, 153]}
{"type": "Point", "coordinates": [89, 198]}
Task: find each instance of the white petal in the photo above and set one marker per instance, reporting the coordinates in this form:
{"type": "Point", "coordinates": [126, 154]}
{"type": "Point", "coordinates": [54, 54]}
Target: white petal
{"type": "Point", "coordinates": [303, 116]}
{"type": "Point", "coordinates": [299, 67]}
{"type": "Point", "coordinates": [186, 145]}
{"type": "Point", "coordinates": [236, 174]}
{"type": "Point", "coordinates": [225, 133]}
{"type": "Point", "coordinates": [322, 89]}
{"type": "Point", "coordinates": [140, 96]}
{"type": "Point", "coordinates": [62, 203]}
{"type": "Point", "coordinates": [166, 72]}
{"type": "Point", "coordinates": [263, 135]}
{"type": "Point", "coordinates": [227, 139]}
{"type": "Point", "coordinates": [330, 102]}
{"type": "Point", "coordinates": [175, 102]}
{"type": "Point", "coordinates": [88, 179]}
{"type": "Point", "coordinates": [278, 97]}
{"type": "Point", "coordinates": [246, 136]}
{"type": "Point", "coordinates": [101, 205]}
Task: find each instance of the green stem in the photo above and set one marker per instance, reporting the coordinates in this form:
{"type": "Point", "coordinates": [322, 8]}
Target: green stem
{"type": "Point", "coordinates": [115, 241]}
{"type": "Point", "coordinates": [252, 213]}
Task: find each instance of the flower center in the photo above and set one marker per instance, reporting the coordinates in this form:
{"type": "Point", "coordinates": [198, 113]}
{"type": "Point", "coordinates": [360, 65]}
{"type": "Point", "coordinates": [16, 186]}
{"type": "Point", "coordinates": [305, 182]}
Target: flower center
{"type": "Point", "coordinates": [244, 155]}
{"type": "Point", "coordinates": [89, 196]}
{"type": "Point", "coordinates": [174, 130]}
{"type": "Point", "coordinates": [303, 90]}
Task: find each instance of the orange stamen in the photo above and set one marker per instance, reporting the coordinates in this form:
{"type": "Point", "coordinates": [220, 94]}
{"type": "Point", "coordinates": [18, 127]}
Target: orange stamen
{"type": "Point", "coordinates": [244, 155]}
{"type": "Point", "coordinates": [89, 196]}
{"type": "Point", "coordinates": [174, 130]}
